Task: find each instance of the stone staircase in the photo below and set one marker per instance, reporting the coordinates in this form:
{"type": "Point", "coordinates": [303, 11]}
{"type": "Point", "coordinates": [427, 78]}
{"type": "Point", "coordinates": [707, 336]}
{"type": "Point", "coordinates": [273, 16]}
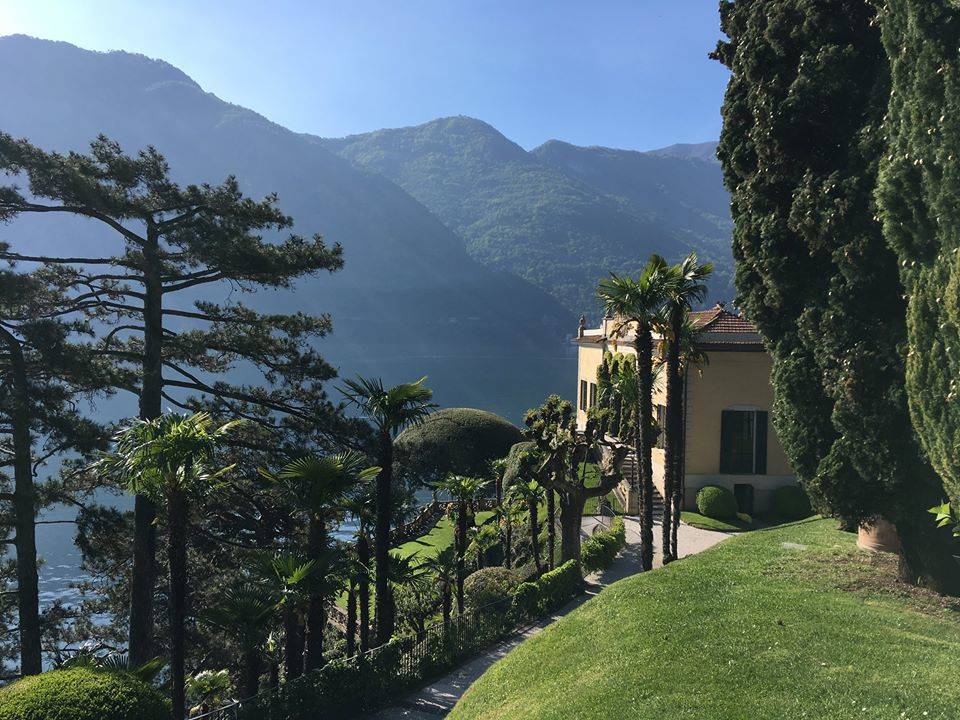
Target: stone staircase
{"type": "Point", "coordinates": [632, 479]}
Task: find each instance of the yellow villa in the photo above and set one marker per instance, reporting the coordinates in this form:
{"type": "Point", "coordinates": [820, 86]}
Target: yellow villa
{"type": "Point", "coordinates": [729, 439]}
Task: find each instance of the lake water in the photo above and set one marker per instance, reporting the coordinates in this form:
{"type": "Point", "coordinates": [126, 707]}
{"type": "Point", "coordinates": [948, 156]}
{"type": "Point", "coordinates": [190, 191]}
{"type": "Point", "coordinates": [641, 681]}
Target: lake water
{"type": "Point", "coordinates": [506, 386]}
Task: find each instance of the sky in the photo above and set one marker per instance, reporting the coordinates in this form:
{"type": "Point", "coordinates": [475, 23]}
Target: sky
{"type": "Point", "coordinates": [629, 74]}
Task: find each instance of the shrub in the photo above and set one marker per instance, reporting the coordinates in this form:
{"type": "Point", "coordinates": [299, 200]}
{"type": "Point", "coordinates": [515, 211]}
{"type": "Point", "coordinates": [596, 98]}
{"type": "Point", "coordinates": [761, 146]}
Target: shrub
{"type": "Point", "coordinates": [488, 586]}
{"type": "Point", "coordinates": [599, 551]}
{"type": "Point", "coordinates": [548, 593]}
{"type": "Point", "coordinates": [82, 693]}
{"type": "Point", "coordinates": [526, 598]}
{"type": "Point", "coordinates": [717, 503]}
{"type": "Point", "coordinates": [790, 502]}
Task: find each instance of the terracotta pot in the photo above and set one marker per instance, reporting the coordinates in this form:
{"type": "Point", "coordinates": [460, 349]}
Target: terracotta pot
{"type": "Point", "coordinates": [878, 536]}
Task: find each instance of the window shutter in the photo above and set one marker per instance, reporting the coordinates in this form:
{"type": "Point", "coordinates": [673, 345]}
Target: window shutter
{"type": "Point", "coordinates": [583, 394]}
{"type": "Point", "coordinates": [761, 440]}
{"type": "Point", "coordinates": [593, 394]}
{"type": "Point", "coordinates": [727, 428]}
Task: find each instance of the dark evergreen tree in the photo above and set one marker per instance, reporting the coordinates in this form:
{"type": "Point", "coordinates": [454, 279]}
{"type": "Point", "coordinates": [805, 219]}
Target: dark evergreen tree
{"type": "Point", "coordinates": [920, 207]}
{"type": "Point", "coordinates": [46, 367]}
{"type": "Point", "coordinates": [173, 242]}
{"type": "Point", "coordinates": [800, 148]}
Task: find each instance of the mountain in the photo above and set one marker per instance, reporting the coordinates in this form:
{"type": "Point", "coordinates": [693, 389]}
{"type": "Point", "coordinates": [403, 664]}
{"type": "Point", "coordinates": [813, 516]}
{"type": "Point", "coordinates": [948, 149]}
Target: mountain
{"type": "Point", "coordinates": [706, 151]}
{"type": "Point", "coordinates": [410, 301]}
{"type": "Point", "coordinates": [551, 215]}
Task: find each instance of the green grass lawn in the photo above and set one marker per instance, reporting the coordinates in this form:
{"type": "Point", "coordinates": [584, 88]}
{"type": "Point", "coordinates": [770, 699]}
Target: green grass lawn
{"type": "Point", "coordinates": [440, 537]}
{"type": "Point", "coordinates": [592, 479]}
{"type": "Point", "coordinates": [706, 523]}
{"type": "Point", "coordinates": [791, 622]}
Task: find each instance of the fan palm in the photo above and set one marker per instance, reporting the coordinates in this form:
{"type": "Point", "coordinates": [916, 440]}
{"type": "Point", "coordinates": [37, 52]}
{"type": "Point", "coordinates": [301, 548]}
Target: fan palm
{"type": "Point", "coordinates": [361, 507]}
{"type": "Point", "coordinates": [166, 459]}
{"type": "Point", "coordinates": [685, 287]}
{"type": "Point", "coordinates": [289, 574]}
{"type": "Point", "coordinates": [482, 540]}
{"type": "Point", "coordinates": [443, 567]}
{"type": "Point", "coordinates": [318, 487]}
{"type": "Point", "coordinates": [498, 467]}
{"type": "Point", "coordinates": [530, 494]}
{"type": "Point", "coordinates": [389, 410]}
{"type": "Point", "coordinates": [464, 490]}
{"type": "Point", "coordinates": [638, 303]}
{"type": "Point", "coordinates": [507, 516]}
{"type": "Point", "coordinates": [244, 612]}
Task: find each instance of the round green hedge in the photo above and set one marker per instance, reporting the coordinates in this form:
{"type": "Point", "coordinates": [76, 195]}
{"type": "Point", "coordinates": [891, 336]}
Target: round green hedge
{"type": "Point", "coordinates": [82, 694]}
{"type": "Point", "coordinates": [717, 503]}
{"type": "Point", "coordinates": [460, 441]}
{"type": "Point", "coordinates": [790, 502]}
{"type": "Point", "coordinates": [488, 586]}
{"type": "Point", "coordinates": [522, 462]}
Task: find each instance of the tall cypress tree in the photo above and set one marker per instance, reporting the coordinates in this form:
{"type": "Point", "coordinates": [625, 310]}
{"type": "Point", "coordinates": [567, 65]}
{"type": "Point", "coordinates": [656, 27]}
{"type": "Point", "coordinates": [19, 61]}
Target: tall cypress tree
{"type": "Point", "coordinates": [919, 195]}
{"type": "Point", "coordinates": [174, 241]}
{"type": "Point", "coordinates": [800, 149]}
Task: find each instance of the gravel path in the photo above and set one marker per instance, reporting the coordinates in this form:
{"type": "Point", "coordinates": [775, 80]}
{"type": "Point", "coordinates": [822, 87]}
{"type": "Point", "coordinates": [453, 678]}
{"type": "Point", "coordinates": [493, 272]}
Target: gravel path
{"type": "Point", "coordinates": [437, 699]}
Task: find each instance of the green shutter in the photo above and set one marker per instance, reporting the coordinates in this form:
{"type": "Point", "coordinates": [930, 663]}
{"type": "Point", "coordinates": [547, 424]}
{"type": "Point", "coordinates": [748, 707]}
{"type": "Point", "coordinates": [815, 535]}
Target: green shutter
{"type": "Point", "coordinates": [727, 427]}
{"type": "Point", "coordinates": [761, 439]}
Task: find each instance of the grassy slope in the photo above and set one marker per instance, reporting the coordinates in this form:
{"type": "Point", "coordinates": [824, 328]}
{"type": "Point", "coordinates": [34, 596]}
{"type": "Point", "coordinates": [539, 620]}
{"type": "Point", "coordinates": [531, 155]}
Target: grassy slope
{"type": "Point", "coordinates": [707, 523]}
{"type": "Point", "coordinates": [440, 537]}
{"type": "Point", "coordinates": [749, 629]}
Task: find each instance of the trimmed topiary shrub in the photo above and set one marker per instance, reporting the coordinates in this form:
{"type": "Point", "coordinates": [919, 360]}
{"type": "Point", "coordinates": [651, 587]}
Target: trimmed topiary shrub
{"type": "Point", "coordinates": [492, 586]}
{"type": "Point", "coordinates": [717, 503]}
{"type": "Point", "coordinates": [454, 441]}
{"type": "Point", "coordinates": [790, 502]}
{"type": "Point", "coordinates": [82, 693]}
{"type": "Point", "coordinates": [548, 593]}
{"type": "Point", "coordinates": [599, 550]}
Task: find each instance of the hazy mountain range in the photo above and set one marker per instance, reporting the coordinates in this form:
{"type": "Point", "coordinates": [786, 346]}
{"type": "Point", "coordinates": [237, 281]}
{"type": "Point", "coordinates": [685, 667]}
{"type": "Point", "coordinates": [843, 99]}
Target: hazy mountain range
{"type": "Point", "coordinates": [467, 257]}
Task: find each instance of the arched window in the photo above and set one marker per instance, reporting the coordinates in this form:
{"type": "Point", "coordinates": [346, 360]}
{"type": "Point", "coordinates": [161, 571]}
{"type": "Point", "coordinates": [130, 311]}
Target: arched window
{"type": "Point", "coordinates": [743, 441]}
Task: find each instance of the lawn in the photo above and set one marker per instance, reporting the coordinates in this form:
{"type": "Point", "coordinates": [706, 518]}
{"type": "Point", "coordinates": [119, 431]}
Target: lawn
{"type": "Point", "coordinates": [791, 622]}
{"type": "Point", "coordinates": [440, 537]}
{"type": "Point", "coordinates": [706, 523]}
{"type": "Point", "coordinates": [592, 479]}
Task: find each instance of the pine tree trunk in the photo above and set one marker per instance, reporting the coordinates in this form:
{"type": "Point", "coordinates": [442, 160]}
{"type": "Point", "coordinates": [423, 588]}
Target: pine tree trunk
{"type": "Point", "coordinates": [316, 612]}
{"type": "Point", "coordinates": [551, 528]}
{"type": "Point", "coordinates": [352, 619]}
{"type": "Point", "coordinates": [643, 444]}
{"type": "Point", "coordinates": [24, 510]}
{"type": "Point", "coordinates": [534, 536]}
{"type": "Point", "coordinates": [177, 560]}
{"type": "Point", "coordinates": [384, 501]}
{"type": "Point", "coordinates": [363, 555]}
{"type": "Point", "coordinates": [460, 540]}
{"type": "Point", "coordinates": [144, 574]}
{"type": "Point", "coordinates": [674, 418]}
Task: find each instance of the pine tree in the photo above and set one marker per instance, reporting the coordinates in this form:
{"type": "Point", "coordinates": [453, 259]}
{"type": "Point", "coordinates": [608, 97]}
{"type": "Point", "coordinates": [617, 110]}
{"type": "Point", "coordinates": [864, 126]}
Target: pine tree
{"type": "Point", "coordinates": [800, 150]}
{"type": "Point", "coordinates": [174, 242]}
{"type": "Point", "coordinates": [920, 206]}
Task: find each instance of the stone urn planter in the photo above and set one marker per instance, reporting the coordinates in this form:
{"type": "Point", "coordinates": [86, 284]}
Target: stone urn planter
{"type": "Point", "coordinates": [878, 536]}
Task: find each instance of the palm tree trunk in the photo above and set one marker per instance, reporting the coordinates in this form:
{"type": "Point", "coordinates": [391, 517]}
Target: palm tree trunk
{"type": "Point", "coordinates": [251, 672]}
{"type": "Point", "coordinates": [460, 540]}
{"type": "Point", "coordinates": [293, 645]}
{"type": "Point", "coordinates": [316, 612]}
{"type": "Point", "coordinates": [352, 619]}
{"type": "Point", "coordinates": [508, 545]}
{"type": "Point", "coordinates": [144, 571]}
{"type": "Point", "coordinates": [447, 606]}
{"type": "Point", "coordinates": [681, 479]}
{"type": "Point", "coordinates": [363, 555]}
{"type": "Point", "coordinates": [177, 560]}
{"type": "Point", "coordinates": [534, 536]}
{"type": "Point", "coordinates": [25, 511]}
{"type": "Point", "coordinates": [384, 502]}
{"type": "Point", "coordinates": [551, 528]}
{"type": "Point", "coordinates": [671, 446]}
{"type": "Point", "coordinates": [643, 443]}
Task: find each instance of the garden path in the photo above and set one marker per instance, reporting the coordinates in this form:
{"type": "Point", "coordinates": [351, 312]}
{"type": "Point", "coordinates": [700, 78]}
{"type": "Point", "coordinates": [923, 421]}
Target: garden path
{"type": "Point", "coordinates": [438, 698]}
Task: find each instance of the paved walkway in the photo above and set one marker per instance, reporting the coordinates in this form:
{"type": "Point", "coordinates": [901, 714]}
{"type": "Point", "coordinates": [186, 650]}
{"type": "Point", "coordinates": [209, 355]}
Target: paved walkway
{"type": "Point", "coordinates": [437, 699]}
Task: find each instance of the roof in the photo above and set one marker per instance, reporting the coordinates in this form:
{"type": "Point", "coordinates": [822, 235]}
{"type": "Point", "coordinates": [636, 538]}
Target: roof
{"type": "Point", "coordinates": [718, 328]}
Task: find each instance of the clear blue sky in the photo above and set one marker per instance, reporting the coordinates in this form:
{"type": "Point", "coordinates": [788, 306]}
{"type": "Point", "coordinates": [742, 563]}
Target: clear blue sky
{"type": "Point", "coordinates": [630, 74]}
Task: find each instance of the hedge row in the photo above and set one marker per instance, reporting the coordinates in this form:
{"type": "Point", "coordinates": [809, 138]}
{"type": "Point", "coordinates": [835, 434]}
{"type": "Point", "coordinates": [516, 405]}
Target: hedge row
{"type": "Point", "coordinates": [552, 590]}
{"type": "Point", "coordinates": [599, 551]}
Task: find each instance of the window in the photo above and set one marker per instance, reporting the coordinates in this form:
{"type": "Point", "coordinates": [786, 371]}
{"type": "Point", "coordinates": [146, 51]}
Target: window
{"type": "Point", "coordinates": [743, 442]}
{"type": "Point", "coordinates": [593, 394]}
{"type": "Point", "coordinates": [583, 395]}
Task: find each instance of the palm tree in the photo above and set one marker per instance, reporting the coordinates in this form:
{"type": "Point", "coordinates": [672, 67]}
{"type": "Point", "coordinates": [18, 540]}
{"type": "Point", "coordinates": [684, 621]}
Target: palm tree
{"type": "Point", "coordinates": [691, 356]}
{"type": "Point", "coordinates": [244, 612]}
{"type": "Point", "coordinates": [498, 467]}
{"type": "Point", "coordinates": [165, 459]}
{"type": "Point", "coordinates": [506, 516]}
{"type": "Point", "coordinates": [289, 574]}
{"type": "Point", "coordinates": [464, 490]}
{"type": "Point", "coordinates": [318, 487]}
{"type": "Point", "coordinates": [638, 303]}
{"type": "Point", "coordinates": [390, 410]}
{"type": "Point", "coordinates": [360, 506]}
{"type": "Point", "coordinates": [530, 494]}
{"type": "Point", "coordinates": [407, 573]}
{"type": "Point", "coordinates": [685, 286]}
{"type": "Point", "coordinates": [482, 540]}
{"type": "Point", "coordinates": [443, 567]}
